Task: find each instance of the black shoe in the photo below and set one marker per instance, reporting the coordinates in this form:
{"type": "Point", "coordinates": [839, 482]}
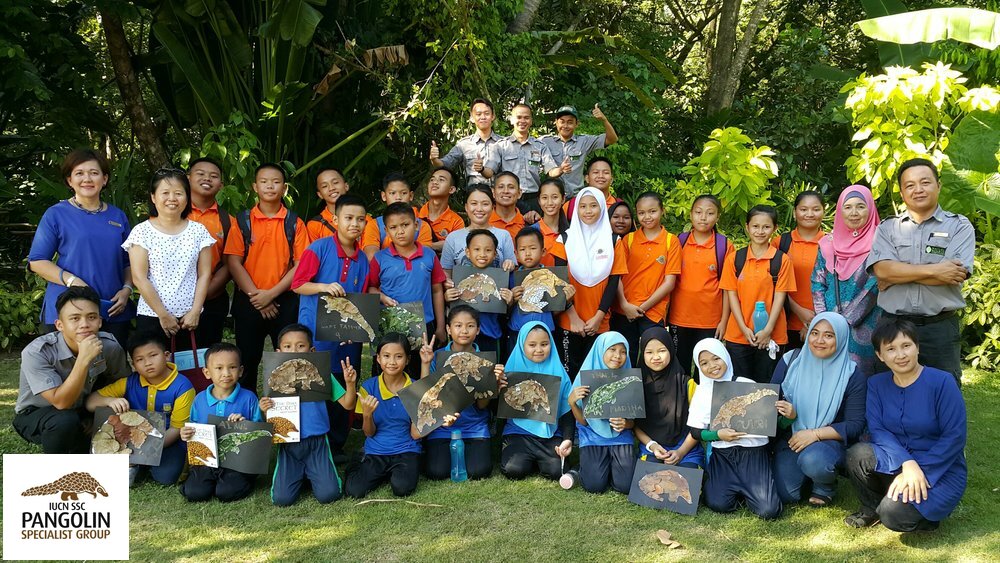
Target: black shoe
{"type": "Point", "coordinates": [862, 519]}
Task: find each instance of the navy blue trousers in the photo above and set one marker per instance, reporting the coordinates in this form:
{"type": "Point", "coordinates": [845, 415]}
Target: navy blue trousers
{"type": "Point", "coordinates": [308, 460]}
{"type": "Point", "coordinates": [741, 474]}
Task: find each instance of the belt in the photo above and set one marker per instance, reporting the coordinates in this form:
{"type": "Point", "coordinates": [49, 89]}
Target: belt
{"type": "Point", "coordinates": [922, 320]}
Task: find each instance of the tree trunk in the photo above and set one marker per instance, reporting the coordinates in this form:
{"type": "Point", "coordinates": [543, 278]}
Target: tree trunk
{"type": "Point", "coordinates": [523, 20]}
{"type": "Point", "coordinates": [128, 85]}
{"type": "Point", "coordinates": [728, 57]}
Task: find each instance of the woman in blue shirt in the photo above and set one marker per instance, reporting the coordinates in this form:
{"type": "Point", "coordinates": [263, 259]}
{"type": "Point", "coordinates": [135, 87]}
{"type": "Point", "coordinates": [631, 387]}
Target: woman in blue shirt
{"type": "Point", "coordinates": [912, 474]}
{"type": "Point", "coordinates": [86, 234]}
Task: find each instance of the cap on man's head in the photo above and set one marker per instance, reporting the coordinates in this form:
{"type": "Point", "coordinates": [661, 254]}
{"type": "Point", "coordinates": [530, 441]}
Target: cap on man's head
{"type": "Point", "coordinates": [567, 110]}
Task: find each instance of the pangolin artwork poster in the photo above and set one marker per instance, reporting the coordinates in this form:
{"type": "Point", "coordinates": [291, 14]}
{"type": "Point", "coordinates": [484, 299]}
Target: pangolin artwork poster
{"type": "Point", "coordinates": [298, 374]}
{"type": "Point", "coordinates": [244, 446]}
{"type": "Point", "coordinates": [352, 318]}
{"type": "Point", "coordinates": [666, 487]}
{"type": "Point", "coordinates": [139, 434]}
{"type": "Point", "coordinates": [480, 288]}
{"type": "Point", "coordinates": [285, 420]}
{"type": "Point", "coordinates": [614, 393]}
{"type": "Point", "coordinates": [428, 400]}
{"type": "Point", "coordinates": [474, 369]}
{"type": "Point", "coordinates": [544, 289]}
{"type": "Point", "coordinates": [405, 318]}
{"type": "Point", "coordinates": [745, 407]}
{"type": "Point", "coordinates": [202, 448]}
{"type": "Point", "coordinates": [530, 395]}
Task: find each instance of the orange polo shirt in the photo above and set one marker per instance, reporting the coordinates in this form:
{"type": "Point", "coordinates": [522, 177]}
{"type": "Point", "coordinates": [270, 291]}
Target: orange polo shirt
{"type": "Point", "coordinates": [267, 261]}
{"type": "Point", "coordinates": [446, 223]}
{"type": "Point", "coordinates": [370, 235]}
{"type": "Point", "coordinates": [209, 218]}
{"type": "Point", "coordinates": [588, 299]}
{"type": "Point", "coordinates": [697, 299]}
{"type": "Point", "coordinates": [317, 229]}
{"type": "Point", "coordinates": [548, 235]}
{"type": "Point", "coordinates": [513, 226]}
{"type": "Point", "coordinates": [803, 254]}
{"type": "Point", "coordinates": [755, 285]}
{"type": "Point", "coordinates": [649, 262]}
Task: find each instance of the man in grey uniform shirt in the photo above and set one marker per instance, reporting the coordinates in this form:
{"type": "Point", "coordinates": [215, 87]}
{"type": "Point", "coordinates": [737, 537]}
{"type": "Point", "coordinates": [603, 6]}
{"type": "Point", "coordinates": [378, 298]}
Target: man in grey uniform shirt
{"type": "Point", "coordinates": [921, 259]}
{"type": "Point", "coordinates": [525, 156]}
{"type": "Point", "coordinates": [60, 368]}
{"type": "Point", "coordinates": [471, 152]}
{"type": "Point", "coordinates": [572, 149]}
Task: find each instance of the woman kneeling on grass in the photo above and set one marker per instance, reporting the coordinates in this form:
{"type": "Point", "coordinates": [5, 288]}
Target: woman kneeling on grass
{"type": "Point", "coordinates": [912, 474]}
{"type": "Point", "coordinates": [823, 401]}
{"type": "Point", "coordinates": [530, 445]}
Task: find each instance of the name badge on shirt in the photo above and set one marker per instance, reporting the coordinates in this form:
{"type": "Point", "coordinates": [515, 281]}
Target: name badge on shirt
{"type": "Point", "coordinates": [115, 224]}
{"type": "Point", "coordinates": [942, 235]}
{"type": "Point", "coordinates": [536, 157]}
{"type": "Point", "coordinates": [934, 250]}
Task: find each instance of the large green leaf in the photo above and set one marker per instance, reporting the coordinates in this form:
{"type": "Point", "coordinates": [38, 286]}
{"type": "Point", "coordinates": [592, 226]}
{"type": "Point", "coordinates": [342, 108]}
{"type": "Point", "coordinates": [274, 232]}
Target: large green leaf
{"type": "Point", "coordinates": [299, 21]}
{"type": "Point", "coordinates": [895, 54]}
{"type": "Point", "coordinates": [969, 178]}
{"type": "Point", "coordinates": [968, 25]}
{"type": "Point", "coordinates": [203, 89]}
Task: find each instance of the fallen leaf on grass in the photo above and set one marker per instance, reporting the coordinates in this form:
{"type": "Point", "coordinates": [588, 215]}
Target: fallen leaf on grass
{"type": "Point", "coordinates": [399, 500]}
{"type": "Point", "coordinates": [665, 539]}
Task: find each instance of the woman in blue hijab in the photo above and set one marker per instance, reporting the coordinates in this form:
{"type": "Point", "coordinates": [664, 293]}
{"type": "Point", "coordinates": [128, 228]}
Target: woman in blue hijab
{"type": "Point", "coordinates": [822, 410]}
{"type": "Point", "coordinates": [607, 446]}
{"type": "Point", "coordinates": [530, 445]}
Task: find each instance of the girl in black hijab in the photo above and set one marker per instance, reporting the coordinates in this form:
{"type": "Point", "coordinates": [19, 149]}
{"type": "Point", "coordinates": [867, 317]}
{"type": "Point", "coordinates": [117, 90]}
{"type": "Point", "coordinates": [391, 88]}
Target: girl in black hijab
{"type": "Point", "coordinates": [663, 434]}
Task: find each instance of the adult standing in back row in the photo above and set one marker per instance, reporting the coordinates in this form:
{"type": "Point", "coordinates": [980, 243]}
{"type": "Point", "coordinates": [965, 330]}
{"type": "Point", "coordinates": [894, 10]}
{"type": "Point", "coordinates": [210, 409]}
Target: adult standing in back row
{"type": "Point", "coordinates": [471, 152]}
{"type": "Point", "coordinates": [921, 258]}
{"type": "Point", "coordinates": [525, 156]}
{"type": "Point", "coordinates": [571, 149]}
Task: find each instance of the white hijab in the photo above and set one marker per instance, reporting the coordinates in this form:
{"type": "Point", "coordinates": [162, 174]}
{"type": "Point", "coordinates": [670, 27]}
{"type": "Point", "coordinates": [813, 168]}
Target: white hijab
{"type": "Point", "coordinates": [700, 411]}
{"type": "Point", "coordinates": [590, 250]}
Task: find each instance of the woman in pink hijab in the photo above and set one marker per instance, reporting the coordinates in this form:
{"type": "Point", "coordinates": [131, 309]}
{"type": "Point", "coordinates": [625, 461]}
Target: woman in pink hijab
{"type": "Point", "coordinates": [840, 282]}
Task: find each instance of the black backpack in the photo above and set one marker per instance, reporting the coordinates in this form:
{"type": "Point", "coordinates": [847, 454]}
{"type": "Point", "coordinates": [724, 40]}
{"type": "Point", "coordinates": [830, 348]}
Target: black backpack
{"type": "Point", "coordinates": [741, 259]}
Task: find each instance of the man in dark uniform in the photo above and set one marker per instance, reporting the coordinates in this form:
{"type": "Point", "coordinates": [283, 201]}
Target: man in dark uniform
{"type": "Point", "coordinates": [921, 258]}
{"type": "Point", "coordinates": [60, 368]}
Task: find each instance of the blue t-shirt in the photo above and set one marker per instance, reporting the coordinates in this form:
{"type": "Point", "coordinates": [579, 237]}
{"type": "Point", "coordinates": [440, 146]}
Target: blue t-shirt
{"type": "Point", "coordinates": [89, 245]}
{"type": "Point", "coordinates": [588, 437]}
{"type": "Point", "coordinates": [313, 416]}
{"type": "Point", "coordinates": [473, 422]}
{"type": "Point", "coordinates": [407, 279]}
{"type": "Point", "coordinates": [241, 401]}
{"type": "Point", "coordinates": [392, 423]}
{"type": "Point", "coordinates": [519, 318]}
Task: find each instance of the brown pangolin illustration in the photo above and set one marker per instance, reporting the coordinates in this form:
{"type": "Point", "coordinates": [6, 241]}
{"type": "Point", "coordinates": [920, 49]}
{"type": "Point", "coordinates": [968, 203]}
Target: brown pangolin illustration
{"type": "Point", "coordinates": [737, 406]}
{"type": "Point", "coordinates": [69, 487]}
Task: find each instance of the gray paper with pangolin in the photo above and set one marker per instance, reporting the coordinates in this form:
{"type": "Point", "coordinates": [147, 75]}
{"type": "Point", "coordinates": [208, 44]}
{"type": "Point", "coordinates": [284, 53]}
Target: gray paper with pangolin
{"type": "Point", "coordinates": [430, 399]}
{"type": "Point", "coordinates": [404, 318]}
{"type": "Point", "coordinates": [666, 487]}
{"type": "Point", "coordinates": [745, 407]}
{"type": "Point", "coordinates": [352, 318]}
{"type": "Point", "coordinates": [480, 287]}
{"type": "Point", "coordinates": [136, 433]}
{"type": "Point", "coordinates": [544, 289]}
{"type": "Point", "coordinates": [305, 375]}
{"type": "Point", "coordinates": [474, 369]}
{"type": "Point", "coordinates": [532, 396]}
{"type": "Point", "coordinates": [244, 446]}
{"type": "Point", "coordinates": [614, 393]}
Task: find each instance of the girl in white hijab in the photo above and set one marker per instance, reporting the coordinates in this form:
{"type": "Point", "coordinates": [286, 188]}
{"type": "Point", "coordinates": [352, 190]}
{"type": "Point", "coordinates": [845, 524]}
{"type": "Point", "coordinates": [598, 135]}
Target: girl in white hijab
{"type": "Point", "coordinates": [739, 465]}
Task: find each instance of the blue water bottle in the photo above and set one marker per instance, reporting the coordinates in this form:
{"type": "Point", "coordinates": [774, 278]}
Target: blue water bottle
{"type": "Point", "coordinates": [458, 473]}
{"type": "Point", "coordinates": [759, 317]}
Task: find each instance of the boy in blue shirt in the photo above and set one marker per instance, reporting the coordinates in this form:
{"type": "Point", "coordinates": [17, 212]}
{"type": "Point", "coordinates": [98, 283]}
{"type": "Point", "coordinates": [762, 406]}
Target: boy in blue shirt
{"type": "Point", "coordinates": [309, 459]}
{"type": "Point", "coordinates": [224, 398]}
{"type": "Point", "coordinates": [481, 249]}
{"type": "Point", "coordinates": [334, 265]}
{"type": "Point", "coordinates": [530, 247]}
{"type": "Point", "coordinates": [395, 189]}
{"type": "Point", "coordinates": [156, 386]}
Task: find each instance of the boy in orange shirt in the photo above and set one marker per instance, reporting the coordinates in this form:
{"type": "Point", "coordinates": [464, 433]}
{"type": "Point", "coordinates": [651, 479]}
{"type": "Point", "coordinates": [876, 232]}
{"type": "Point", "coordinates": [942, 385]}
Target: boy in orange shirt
{"type": "Point", "coordinates": [653, 258]}
{"type": "Point", "coordinates": [205, 177]}
{"type": "Point", "coordinates": [262, 254]}
{"type": "Point", "coordinates": [765, 275]}
{"type": "Point", "coordinates": [395, 189]}
{"type": "Point", "coordinates": [330, 185]}
{"type": "Point", "coordinates": [506, 193]}
{"type": "Point", "coordinates": [437, 212]}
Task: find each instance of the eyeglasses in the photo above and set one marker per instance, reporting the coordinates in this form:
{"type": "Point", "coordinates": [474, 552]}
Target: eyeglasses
{"type": "Point", "coordinates": [167, 171]}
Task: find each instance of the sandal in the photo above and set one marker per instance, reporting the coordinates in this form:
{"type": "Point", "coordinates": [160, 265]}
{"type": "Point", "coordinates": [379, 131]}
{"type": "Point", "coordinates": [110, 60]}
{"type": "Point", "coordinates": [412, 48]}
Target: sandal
{"type": "Point", "coordinates": [862, 519]}
{"type": "Point", "coordinates": [819, 501]}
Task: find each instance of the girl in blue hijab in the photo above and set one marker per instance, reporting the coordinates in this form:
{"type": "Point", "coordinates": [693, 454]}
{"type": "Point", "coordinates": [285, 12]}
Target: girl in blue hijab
{"type": "Point", "coordinates": [530, 445]}
{"type": "Point", "coordinates": [607, 447]}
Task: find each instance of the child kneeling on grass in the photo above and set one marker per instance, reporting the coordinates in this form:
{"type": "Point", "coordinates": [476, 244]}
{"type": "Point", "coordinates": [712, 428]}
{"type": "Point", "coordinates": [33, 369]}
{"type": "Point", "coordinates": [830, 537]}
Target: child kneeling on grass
{"type": "Point", "coordinates": [154, 385]}
{"type": "Point", "coordinates": [224, 398]}
{"type": "Point", "coordinates": [607, 447]}
{"type": "Point", "coordinates": [309, 459]}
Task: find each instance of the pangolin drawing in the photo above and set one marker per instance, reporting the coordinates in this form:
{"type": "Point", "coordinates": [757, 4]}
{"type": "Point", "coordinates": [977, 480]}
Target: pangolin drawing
{"type": "Point", "coordinates": [69, 487]}
{"type": "Point", "coordinates": [538, 285]}
{"type": "Point", "coordinates": [466, 365]}
{"type": "Point", "coordinates": [282, 428]}
{"type": "Point", "coordinates": [198, 453]}
{"type": "Point", "coordinates": [667, 482]}
{"type": "Point", "coordinates": [348, 312]}
{"type": "Point", "coordinates": [528, 395]}
{"type": "Point", "coordinates": [737, 406]}
{"type": "Point", "coordinates": [294, 374]}
{"type": "Point", "coordinates": [429, 402]}
{"type": "Point", "coordinates": [606, 394]}
{"type": "Point", "coordinates": [478, 288]}
{"type": "Point", "coordinates": [118, 431]}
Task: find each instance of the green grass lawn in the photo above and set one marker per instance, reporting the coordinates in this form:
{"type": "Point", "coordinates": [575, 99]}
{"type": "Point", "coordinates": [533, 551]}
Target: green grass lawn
{"type": "Point", "coordinates": [497, 519]}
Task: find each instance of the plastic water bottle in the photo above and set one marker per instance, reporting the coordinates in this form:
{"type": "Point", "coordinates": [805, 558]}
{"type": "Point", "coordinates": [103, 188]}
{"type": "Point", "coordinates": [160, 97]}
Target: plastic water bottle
{"type": "Point", "coordinates": [458, 473]}
{"type": "Point", "coordinates": [759, 317]}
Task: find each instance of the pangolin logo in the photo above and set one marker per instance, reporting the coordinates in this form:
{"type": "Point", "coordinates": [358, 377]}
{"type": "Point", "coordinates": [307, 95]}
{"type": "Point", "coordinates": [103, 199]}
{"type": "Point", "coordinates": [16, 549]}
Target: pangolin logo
{"type": "Point", "coordinates": [69, 487]}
